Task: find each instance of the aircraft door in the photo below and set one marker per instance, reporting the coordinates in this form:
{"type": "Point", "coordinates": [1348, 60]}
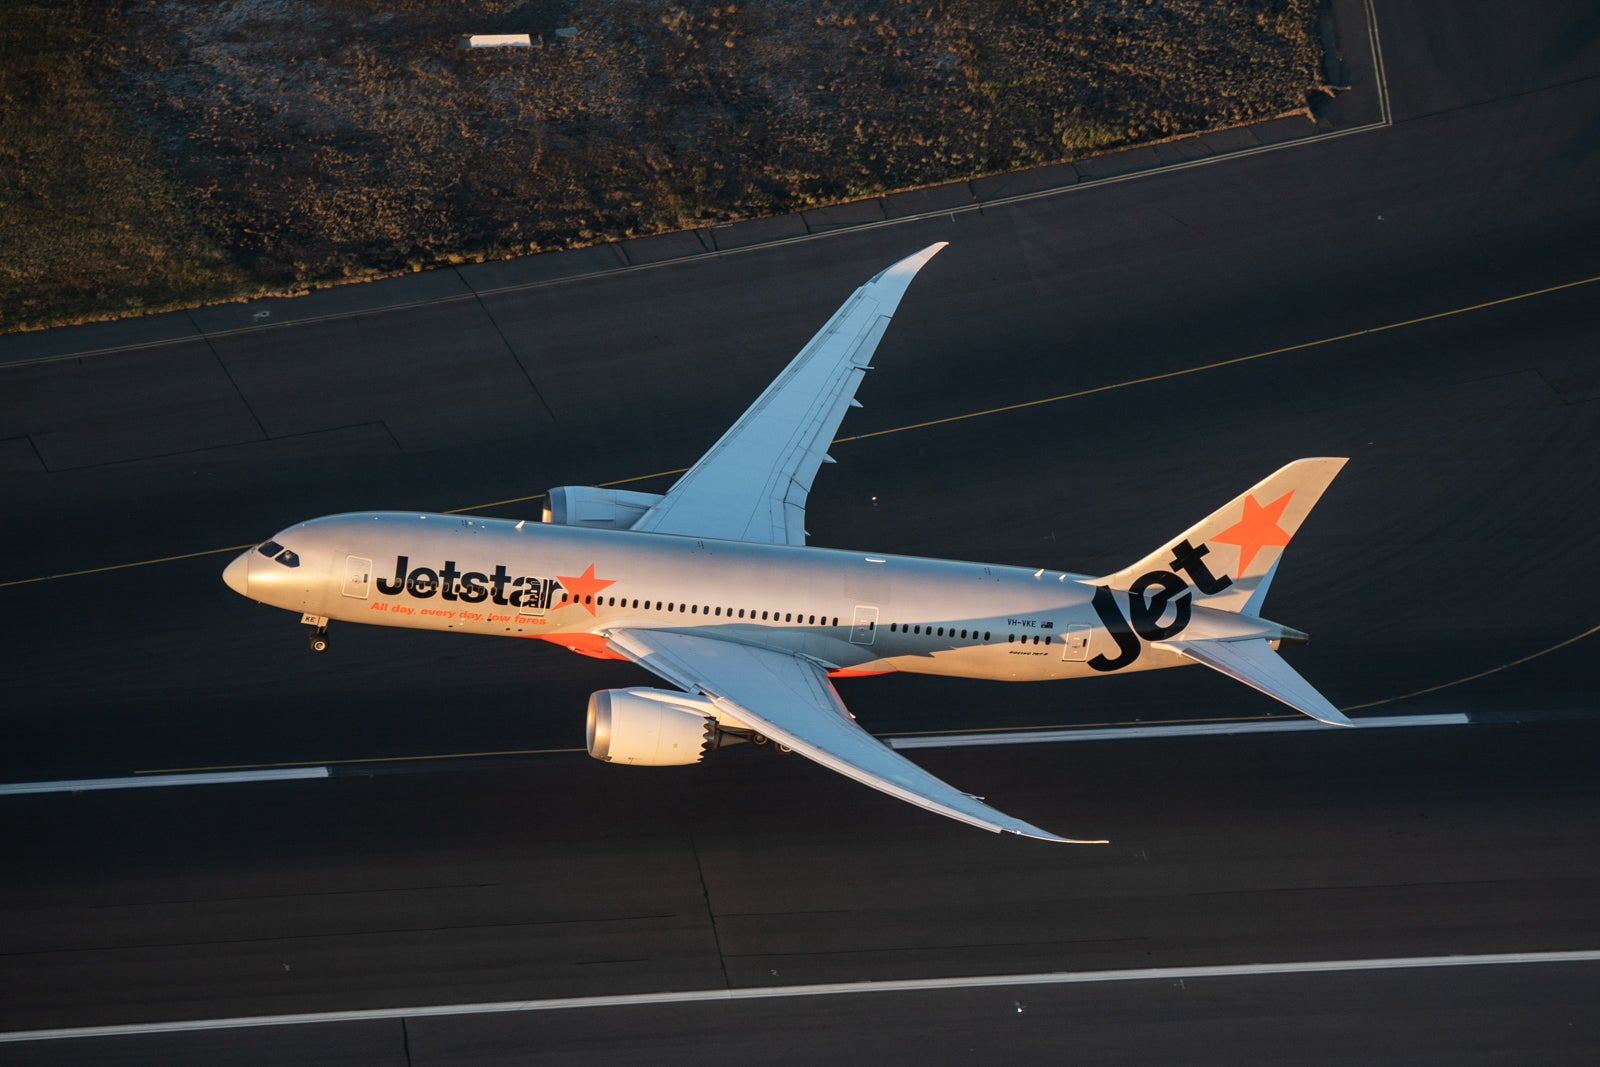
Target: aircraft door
{"type": "Point", "coordinates": [357, 577]}
{"type": "Point", "coordinates": [535, 593]}
{"type": "Point", "coordinates": [865, 627]}
{"type": "Point", "coordinates": [1075, 641]}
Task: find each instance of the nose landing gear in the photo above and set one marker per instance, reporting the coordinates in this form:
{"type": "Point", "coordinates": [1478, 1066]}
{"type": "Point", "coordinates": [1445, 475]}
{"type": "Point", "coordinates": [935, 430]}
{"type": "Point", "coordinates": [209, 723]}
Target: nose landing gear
{"type": "Point", "coordinates": [318, 638]}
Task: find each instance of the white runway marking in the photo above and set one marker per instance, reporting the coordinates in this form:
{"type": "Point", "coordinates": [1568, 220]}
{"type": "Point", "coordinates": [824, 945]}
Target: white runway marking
{"type": "Point", "coordinates": [626, 1000]}
{"type": "Point", "coordinates": [146, 781]}
{"type": "Point", "coordinates": [1197, 729]}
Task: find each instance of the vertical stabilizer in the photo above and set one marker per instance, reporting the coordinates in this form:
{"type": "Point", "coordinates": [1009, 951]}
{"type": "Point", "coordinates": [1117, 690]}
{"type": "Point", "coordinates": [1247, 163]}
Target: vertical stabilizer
{"type": "Point", "coordinates": [1233, 551]}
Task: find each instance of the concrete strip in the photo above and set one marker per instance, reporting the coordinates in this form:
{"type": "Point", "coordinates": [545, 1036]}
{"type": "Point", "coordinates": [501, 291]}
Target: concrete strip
{"type": "Point", "coordinates": [914, 985]}
{"type": "Point", "coordinates": [957, 196]}
{"type": "Point", "coordinates": [753, 232]}
{"type": "Point", "coordinates": [1128, 733]}
{"type": "Point", "coordinates": [148, 781]}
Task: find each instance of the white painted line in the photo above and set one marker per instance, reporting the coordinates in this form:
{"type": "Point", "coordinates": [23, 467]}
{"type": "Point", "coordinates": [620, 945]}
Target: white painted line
{"type": "Point", "coordinates": [1380, 71]}
{"type": "Point", "coordinates": [146, 781]}
{"type": "Point", "coordinates": [1198, 729]}
{"type": "Point", "coordinates": [912, 985]}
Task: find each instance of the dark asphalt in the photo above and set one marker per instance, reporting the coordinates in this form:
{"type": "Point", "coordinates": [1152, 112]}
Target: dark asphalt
{"type": "Point", "coordinates": [1460, 538]}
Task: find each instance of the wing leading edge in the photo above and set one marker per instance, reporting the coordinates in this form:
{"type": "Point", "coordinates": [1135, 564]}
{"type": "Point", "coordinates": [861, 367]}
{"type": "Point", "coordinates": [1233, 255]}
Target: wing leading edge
{"type": "Point", "coordinates": [790, 700]}
{"type": "Point", "coordinates": [753, 483]}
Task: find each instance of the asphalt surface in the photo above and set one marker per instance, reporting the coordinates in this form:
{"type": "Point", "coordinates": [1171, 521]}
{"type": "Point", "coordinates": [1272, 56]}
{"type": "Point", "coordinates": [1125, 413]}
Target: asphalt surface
{"type": "Point", "coordinates": [1420, 298]}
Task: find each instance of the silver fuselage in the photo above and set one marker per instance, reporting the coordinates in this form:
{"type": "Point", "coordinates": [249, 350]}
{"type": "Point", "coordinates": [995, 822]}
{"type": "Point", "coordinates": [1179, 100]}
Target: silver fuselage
{"type": "Point", "coordinates": [856, 612]}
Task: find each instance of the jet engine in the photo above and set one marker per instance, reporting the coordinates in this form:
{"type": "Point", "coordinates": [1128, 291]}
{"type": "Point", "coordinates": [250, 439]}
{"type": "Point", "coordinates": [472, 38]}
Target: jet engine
{"type": "Point", "coordinates": [650, 727]}
{"type": "Point", "coordinates": [600, 509]}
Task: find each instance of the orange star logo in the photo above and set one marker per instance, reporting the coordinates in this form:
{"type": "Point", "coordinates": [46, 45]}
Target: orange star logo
{"type": "Point", "coordinates": [584, 586]}
{"type": "Point", "coordinates": [1257, 529]}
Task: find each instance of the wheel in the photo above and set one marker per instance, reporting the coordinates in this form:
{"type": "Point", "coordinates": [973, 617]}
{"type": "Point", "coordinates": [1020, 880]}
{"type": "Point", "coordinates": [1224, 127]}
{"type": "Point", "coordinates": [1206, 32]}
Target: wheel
{"type": "Point", "coordinates": [319, 642]}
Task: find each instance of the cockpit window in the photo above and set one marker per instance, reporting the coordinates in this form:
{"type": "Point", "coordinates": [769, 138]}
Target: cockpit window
{"type": "Point", "coordinates": [279, 554]}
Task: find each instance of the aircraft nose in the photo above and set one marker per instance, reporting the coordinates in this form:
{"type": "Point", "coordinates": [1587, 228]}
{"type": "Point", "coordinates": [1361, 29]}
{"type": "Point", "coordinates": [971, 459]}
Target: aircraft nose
{"type": "Point", "coordinates": [237, 574]}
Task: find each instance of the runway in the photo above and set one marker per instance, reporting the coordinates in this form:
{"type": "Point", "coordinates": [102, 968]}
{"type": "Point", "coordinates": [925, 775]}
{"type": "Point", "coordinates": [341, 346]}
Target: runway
{"type": "Point", "coordinates": [1075, 378]}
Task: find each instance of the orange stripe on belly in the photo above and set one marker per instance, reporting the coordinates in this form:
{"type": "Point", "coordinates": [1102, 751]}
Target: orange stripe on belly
{"type": "Point", "coordinates": [592, 645]}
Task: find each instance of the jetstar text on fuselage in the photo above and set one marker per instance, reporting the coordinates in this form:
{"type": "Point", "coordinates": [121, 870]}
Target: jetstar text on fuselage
{"type": "Point", "coordinates": [449, 582]}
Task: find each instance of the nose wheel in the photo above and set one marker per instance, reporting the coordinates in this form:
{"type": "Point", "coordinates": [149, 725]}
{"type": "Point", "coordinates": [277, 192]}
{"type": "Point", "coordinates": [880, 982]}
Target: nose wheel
{"type": "Point", "coordinates": [318, 638]}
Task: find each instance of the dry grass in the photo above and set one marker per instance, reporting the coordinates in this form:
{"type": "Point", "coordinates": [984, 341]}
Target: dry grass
{"type": "Point", "coordinates": [346, 138]}
{"type": "Point", "coordinates": [92, 224]}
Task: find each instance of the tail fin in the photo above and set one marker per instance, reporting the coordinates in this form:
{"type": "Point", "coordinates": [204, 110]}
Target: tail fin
{"type": "Point", "coordinates": [1228, 560]}
{"type": "Point", "coordinates": [1231, 554]}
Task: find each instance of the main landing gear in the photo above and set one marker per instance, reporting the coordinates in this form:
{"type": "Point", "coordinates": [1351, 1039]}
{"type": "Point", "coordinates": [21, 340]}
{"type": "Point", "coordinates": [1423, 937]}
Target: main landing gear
{"type": "Point", "coordinates": [318, 638]}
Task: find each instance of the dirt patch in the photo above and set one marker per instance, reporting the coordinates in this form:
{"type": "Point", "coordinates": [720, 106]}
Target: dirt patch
{"type": "Point", "coordinates": [347, 138]}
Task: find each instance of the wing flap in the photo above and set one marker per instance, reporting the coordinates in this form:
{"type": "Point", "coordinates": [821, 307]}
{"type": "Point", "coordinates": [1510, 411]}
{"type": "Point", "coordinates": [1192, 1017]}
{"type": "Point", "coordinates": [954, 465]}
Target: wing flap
{"type": "Point", "coordinates": [791, 701]}
{"type": "Point", "coordinates": [1253, 662]}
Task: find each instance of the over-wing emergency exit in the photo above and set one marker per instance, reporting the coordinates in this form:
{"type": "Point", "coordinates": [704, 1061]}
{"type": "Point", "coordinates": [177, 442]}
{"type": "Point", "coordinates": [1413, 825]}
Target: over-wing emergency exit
{"type": "Point", "coordinates": [712, 588]}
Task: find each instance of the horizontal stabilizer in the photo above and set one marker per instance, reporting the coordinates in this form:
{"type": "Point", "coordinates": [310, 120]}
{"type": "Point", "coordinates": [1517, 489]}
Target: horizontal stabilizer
{"type": "Point", "coordinates": [1253, 662]}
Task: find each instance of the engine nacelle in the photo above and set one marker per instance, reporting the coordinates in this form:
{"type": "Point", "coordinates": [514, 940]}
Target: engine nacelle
{"type": "Point", "coordinates": [600, 509]}
{"type": "Point", "coordinates": [650, 727]}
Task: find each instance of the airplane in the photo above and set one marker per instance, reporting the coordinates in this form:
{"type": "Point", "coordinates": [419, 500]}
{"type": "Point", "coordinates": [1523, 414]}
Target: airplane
{"type": "Point", "coordinates": [712, 587]}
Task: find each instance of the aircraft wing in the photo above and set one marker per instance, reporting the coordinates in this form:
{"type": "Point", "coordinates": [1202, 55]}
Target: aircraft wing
{"type": "Point", "coordinates": [790, 700]}
{"type": "Point", "coordinates": [753, 484]}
